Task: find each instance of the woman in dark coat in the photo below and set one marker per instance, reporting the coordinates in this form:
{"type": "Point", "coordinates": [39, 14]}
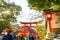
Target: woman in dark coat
{"type": "Point", "coordinates": [8, 36]}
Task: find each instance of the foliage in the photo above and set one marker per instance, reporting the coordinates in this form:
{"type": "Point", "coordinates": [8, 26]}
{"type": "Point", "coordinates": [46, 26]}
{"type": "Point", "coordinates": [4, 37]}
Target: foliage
{"type": "Point", "coordinates": [44, 4]}
{"type": "Point", "coordinates": [12, 8]}
{"type": "Point", "coordinates": [41, 30]}
{"type": "Point", "coordinates": [40, 5]}
{"type": "Point", "coordinates": [58, 17]}
{"type": "Point", "coordinates": [1, 1]}
{"type": "Point", "coordinates": [8, 12]}
{"type": "Point", "coordinates": [1, 26]}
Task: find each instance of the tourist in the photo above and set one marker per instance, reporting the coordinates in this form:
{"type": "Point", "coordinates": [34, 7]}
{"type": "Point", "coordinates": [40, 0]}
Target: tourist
{"type": "Point", "coordinates": [14, 35]}
{"type": "Point", "coordinates": [31, 37]}
{"type": "Point", "coordinates": [8, 36]}
{"type": "Point", "coordinates": [22, 37]}
{"type": "Point", "coordinates": [27, 38]}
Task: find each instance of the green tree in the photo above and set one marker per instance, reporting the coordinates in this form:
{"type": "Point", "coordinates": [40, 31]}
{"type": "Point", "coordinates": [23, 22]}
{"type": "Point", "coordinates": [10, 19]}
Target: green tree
{"type": "Point", "coordinates": [8, 12]}
{"type": "Point", "coordinates": [44, 4]}
{"type": "Point", "coordinates": [41, 30]}
{"type": "Point", "coordinates": [40, 5]}
{"type": "Point", "coordinates": [1, 1]}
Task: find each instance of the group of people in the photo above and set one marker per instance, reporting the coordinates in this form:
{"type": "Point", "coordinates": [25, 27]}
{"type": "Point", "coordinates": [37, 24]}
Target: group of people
{"type": "Point", "coordinates": [9, 36]}
{"type": "Point", "coordinates": [28, 37]}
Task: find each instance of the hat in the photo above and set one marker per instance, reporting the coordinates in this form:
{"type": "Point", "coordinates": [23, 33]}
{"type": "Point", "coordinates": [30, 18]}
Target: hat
{"type": "Point", "coordinates": [9, 31]}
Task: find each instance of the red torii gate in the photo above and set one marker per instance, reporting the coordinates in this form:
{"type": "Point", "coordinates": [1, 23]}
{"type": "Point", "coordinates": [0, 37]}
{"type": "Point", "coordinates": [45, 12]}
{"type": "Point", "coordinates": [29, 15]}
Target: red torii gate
{"type": "Point", "coordinates": [25, 26]}
{"type": "Point", "coordinates": [48, 14]}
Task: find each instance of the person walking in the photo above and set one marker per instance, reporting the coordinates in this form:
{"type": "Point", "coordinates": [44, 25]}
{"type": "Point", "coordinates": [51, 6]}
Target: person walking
{"type": "Point", "coordinates": [22, 37]}
{"type": "Point", "coordinates": [8, 36]}
{"type": "Point", "coordinates": [31, 37]}
{"type": "Point", "coordinates": [27, 38]}
{"type": "Point", "coordinates": [14, 36]}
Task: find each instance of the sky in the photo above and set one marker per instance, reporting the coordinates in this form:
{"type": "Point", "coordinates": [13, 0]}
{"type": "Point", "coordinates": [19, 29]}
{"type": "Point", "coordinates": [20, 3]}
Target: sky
{"type": "Point", "coordinates": [22, 3]}
{"type": "Point", "coordinates": [27, 15]}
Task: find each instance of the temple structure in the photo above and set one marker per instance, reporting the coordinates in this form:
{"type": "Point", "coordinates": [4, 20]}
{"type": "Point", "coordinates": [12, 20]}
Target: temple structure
{"type": "Point", "coordinates": [29, 26]}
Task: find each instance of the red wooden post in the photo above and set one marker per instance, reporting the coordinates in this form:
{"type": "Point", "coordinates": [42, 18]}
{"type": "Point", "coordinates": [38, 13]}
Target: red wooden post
{"type": "Point", "coordinates": [49, 22]}
{"type": "Point", "coordinates": [30, 25]}
{"type": "Point", "coordinates": [50, 26]}
{"type": "Point", "coordinates": [25, 30]}
{"type": "Point", "coordinates": [36, 34]}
